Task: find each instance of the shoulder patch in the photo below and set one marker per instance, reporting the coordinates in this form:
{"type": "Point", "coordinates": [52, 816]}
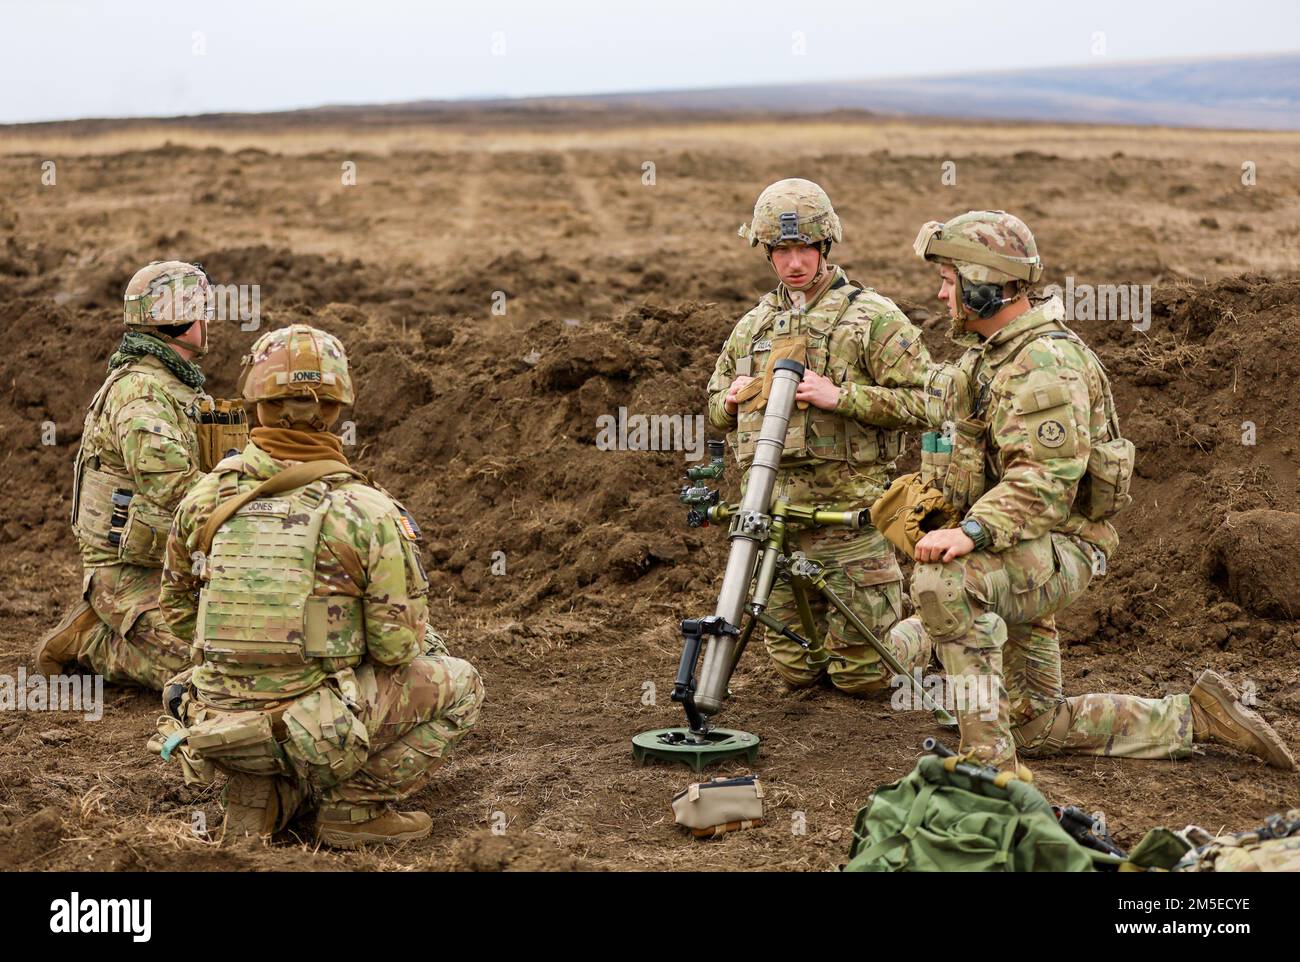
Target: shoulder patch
{"type": "Point", "coordinates": [406, 524]}
{"type": "Point", "coordinates": [1046, 406]}
{"type": "Point", "coordinates": [1051, 433]}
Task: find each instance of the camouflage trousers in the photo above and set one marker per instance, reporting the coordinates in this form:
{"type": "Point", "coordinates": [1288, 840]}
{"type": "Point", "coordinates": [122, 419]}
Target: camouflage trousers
{"type": "Point", "coordinates": [132, 644]}
{"type": "Point", "coordinates": [992, 618]}
{"type": "Point", "coordinates": [413, 714]}
{"type": "Point", "coordinates": [861, 569]}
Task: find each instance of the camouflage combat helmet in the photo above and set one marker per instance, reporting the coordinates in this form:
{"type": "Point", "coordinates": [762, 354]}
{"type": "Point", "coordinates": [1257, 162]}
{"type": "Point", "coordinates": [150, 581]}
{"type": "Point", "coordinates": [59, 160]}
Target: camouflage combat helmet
{"type": "Point", "coordinates": [294, 362]}
{"type": "Point", "coordinates": [792, 210]}
{"type": "Point", "coordinates": [165, 293]}
{"type": "Point", "coordinates": [985, 247]}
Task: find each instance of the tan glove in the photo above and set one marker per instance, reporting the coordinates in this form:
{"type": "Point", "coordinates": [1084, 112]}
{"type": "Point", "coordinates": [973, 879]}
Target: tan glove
{"type": "Point", "coordinates": [910, 509]}
{"type": "Point", "coordinates": [753, 396]}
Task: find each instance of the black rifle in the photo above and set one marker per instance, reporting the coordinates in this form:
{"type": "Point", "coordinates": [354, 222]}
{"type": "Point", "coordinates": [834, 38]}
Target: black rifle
{"type": "Point", "coordinates": [1086, 830]}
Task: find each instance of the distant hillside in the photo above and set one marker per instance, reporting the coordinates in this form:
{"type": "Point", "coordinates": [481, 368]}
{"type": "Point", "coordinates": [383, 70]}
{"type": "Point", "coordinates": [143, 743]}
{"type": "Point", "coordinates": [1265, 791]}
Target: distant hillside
{"type": "Point", "coordinates": [1243, 92]}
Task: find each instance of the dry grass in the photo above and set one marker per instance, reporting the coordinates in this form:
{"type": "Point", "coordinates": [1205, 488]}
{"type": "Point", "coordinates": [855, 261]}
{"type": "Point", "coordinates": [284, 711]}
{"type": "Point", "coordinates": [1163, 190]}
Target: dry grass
{"type": "Point", "coordinates": [865, 136]}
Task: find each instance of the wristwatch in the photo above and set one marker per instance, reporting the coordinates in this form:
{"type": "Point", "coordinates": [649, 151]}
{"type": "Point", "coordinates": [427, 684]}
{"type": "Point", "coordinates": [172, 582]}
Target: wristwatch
{"type": "Point", "coordinates": [977, 533]}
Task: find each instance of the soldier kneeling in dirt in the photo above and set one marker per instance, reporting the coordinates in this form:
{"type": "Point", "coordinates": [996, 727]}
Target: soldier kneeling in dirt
{"type": "Point", "coordinates": [141, 450]}
{"type": "Point", "coordinates": [318, 682]}
{"type": "Point", "coordinates": [1038, 469]}
{"type": "Point", "coordinates": [866, 378]}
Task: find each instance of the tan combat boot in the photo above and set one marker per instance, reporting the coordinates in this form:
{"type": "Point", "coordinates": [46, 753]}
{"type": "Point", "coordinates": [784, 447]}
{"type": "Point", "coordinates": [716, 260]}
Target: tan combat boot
{"type": "Point", "coordinates": [61, 646]}
{"type": "Point", "coordinates": [388, 826]}
{"type": "Point", "coordinates": [252, 806]}
{"type": "Point", "coordinates": [1219, 717]}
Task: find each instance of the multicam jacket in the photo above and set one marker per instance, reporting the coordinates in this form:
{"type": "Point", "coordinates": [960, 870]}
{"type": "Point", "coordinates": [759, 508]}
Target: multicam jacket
{"type": "Point", "coordinates": [861, 341]}
{"type": "Point", "coordinates": [1042, 395]}
{"type": "Point", "coordinates": [139, 443]}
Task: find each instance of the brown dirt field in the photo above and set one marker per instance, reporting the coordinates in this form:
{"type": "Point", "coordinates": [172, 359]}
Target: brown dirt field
{"type": "Point", "coordinates": [620, 293]}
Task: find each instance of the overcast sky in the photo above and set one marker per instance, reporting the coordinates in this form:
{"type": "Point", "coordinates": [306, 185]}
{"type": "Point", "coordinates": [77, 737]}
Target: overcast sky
{"type": "Point", "coordinates": [61, 59]}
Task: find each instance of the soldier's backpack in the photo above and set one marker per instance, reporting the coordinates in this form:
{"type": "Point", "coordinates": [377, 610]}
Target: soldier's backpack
{"type": "Point", "coordinates": [936, 820]}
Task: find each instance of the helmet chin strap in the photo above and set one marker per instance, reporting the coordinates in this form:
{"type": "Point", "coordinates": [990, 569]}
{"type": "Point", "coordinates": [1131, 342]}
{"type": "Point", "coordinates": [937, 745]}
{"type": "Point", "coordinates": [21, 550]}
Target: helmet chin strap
{"type": "Point", "coordinates": [197, 350]}
{"type": "Point", "coordinates": [202, 347]}
{"type": "Point", "coordinates": [962, 316]}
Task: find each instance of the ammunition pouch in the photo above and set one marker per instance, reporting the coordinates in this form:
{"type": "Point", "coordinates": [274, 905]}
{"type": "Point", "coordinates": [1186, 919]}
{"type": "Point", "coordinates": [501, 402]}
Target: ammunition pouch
{"type": "Point", "coordinates": [327, 742]}
{"type": "Point", "coordinates": [908, 510]}
{"type": "Point", "coordinates": [820, 435]}
{"type": "Point", "coordinates": [144, 537]}
{"type": "Point", "coordinates": [222, 427]}
{"type": "Point", "coordinates": [1104, 492]}
{"type": "Point", "coordinates": [100, 506]}
{"type": "Point", "coordinates": [723, 805]}
{"type": "Point", "coordinates": [963, 480]}
{"type": "Point", "coordinates": [241, 741]}
{"type": "Point", "coordinates": [936, 455]}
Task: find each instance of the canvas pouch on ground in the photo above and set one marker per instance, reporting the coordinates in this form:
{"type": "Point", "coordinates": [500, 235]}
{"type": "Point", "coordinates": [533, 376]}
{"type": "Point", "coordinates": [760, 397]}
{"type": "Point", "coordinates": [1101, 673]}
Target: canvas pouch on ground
{"type": "Point", "coordinates": [720, 806]}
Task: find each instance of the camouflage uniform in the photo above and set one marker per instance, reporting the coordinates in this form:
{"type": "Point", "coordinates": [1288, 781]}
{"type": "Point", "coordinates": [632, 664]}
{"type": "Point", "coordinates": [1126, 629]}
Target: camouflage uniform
{"type": "Point", "coordinates": [841, 459]}
{"type": "Point", "coordinates": [311, 606]}
{"type": "Point", "coordinates": [1041, 406]}
{"type": "Point", "coordinates": [139, 442]}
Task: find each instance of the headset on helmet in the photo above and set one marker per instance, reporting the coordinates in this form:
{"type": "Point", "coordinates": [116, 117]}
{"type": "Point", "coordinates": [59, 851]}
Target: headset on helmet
{"type": "Point", "coordinates": [988, 250]}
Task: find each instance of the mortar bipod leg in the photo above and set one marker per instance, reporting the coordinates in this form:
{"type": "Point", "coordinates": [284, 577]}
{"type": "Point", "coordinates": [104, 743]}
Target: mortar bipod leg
{"type": "Point", "coordinates": [818, 654]}
{"type": "Point", "coordinates": [941, 714]}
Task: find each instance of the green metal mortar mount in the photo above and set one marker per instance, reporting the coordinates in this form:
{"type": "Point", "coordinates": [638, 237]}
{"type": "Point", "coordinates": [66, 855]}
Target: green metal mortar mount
{"type": "Point", "coordinates": [675, 745]}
